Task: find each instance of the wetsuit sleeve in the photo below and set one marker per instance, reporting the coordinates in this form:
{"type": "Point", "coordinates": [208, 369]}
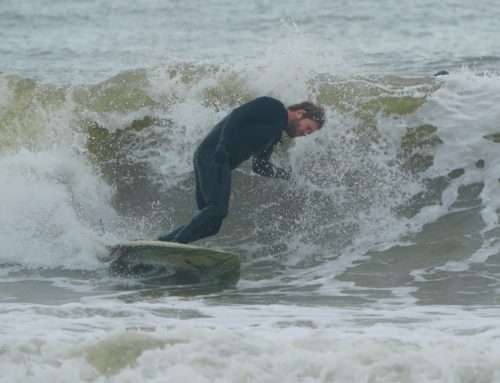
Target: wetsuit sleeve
{"type": "Point", "coordinates": [261, 110]}
{"type": "Point", "coordinates": [262, 166]}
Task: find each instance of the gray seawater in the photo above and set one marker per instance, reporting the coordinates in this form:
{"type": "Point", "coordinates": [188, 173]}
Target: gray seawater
{"type": "Point", "coordinates": [378, 262]}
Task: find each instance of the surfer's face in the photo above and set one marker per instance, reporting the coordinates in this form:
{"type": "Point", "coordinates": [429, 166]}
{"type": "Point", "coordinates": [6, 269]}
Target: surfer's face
{"type": "Point", "coordinates": [301, 127]}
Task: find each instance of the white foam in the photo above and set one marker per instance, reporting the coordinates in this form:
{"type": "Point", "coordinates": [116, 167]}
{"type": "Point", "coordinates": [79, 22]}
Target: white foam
{"type": "Point", "coordinates": [113, 343]}
{"type": "Point", "coordinates": [51, 204]}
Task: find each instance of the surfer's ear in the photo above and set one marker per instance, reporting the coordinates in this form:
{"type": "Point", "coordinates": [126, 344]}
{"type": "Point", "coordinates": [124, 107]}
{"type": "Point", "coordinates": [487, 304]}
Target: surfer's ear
{"type": "Point", "coordinates": [298, 114]}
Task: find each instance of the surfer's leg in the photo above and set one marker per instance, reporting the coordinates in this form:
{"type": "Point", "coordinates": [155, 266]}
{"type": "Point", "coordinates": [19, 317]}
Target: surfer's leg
{"type": "Point", "coordinates": [204, 224]}
{"type": "Point", "coordinates": [170, 237]}
{"type": "Point", "coordinates": [214, 188]}
{"type": "Point", "coordinates": [200, 201]}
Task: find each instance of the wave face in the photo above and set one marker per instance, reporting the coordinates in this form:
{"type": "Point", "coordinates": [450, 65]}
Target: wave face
{"type": "Point", "coordinates": [405, 168]}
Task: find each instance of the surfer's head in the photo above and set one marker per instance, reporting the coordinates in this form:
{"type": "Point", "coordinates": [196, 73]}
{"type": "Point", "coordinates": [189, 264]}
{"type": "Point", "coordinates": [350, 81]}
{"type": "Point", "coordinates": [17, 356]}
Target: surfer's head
{"type": "Point", "coordinates": [304, 118]}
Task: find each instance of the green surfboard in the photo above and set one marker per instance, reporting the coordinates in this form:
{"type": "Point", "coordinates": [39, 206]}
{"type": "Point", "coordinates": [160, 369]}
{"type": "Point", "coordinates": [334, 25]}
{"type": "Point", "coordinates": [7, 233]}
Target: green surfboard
{"type": "Point", "coordinates": [183, 264]}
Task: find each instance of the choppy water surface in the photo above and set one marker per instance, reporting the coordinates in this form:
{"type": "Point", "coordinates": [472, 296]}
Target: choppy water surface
{"type": "Point", "coordinates": [378, 261]}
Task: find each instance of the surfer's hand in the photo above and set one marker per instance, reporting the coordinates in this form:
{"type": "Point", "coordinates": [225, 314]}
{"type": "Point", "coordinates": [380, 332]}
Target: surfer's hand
{"type": "Point", "coordinates": [220, 154]}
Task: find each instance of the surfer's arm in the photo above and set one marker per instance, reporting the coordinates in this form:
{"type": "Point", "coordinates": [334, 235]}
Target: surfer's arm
{"type": "Point", "coordinates": [262, 166]}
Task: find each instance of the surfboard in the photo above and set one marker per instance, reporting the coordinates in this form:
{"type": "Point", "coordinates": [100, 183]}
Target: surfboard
{"type": "Point", "coordinates": [183, 264]}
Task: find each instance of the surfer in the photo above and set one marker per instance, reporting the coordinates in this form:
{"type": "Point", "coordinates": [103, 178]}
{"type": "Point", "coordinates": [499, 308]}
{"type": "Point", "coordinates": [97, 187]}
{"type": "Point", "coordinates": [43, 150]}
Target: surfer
{"type": "Point", "coordinates": [252, 129]}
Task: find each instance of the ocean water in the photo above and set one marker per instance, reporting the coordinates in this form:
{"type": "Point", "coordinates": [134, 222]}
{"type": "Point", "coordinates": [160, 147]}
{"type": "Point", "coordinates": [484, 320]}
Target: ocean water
{"type": "Point", "coordinates": [378, 262]}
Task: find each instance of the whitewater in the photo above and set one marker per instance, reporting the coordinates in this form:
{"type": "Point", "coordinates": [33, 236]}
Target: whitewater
{"type": "Point", "coordinates": [379, 261]}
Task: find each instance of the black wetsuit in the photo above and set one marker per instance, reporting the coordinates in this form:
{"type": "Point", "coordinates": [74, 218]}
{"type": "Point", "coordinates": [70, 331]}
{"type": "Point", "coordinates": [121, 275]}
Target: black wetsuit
{"type": "Point", "coordinates": [251, 129]}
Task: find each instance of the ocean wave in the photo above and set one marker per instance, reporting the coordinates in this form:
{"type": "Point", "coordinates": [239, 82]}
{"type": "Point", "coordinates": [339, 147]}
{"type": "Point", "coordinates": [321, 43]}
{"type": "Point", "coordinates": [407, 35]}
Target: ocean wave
{"type": "Point", "coordinates": [396, 154]}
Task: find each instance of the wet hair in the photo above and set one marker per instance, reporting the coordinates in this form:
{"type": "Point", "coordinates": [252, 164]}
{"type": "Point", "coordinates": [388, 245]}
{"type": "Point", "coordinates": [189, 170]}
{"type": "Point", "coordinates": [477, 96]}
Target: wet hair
{"type": "Point", "coordinates": [312, 111]}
